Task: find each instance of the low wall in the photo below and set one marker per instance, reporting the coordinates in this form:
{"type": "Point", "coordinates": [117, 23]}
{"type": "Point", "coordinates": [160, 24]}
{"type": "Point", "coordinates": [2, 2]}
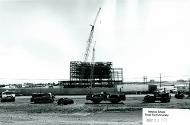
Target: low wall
{"type": "Point", "coordinates": [132, 87]}
{"type": "Point", "coordinates": [61, 90]}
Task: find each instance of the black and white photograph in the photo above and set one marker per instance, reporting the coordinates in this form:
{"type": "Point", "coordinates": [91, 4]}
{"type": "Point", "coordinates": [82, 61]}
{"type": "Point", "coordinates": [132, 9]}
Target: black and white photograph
{"type": "Point", "coordinates": [94, 62]}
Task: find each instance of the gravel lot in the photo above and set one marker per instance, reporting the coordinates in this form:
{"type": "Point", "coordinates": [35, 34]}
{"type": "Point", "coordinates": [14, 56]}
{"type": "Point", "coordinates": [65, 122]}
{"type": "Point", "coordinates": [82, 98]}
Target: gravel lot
{"type": "Point", "coordinates": [22, 112]}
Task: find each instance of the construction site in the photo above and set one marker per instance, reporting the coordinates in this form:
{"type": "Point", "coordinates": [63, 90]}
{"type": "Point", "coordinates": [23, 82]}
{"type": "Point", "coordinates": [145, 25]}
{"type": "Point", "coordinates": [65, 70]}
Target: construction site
{"type": "Point", "coordinates": [97, 95]}
{"type": "Point", "coordinates": [91, 74]}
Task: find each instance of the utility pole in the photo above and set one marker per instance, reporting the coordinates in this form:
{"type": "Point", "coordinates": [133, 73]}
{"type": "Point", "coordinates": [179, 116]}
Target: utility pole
{"type": "Point", "coordinates": [145, 79]}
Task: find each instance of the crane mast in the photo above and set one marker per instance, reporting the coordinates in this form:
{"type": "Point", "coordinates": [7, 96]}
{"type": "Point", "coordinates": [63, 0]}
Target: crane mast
{"type": "Point", "coordinates": [90, 38]}
{"type": "Point", "coordinates": [92, 66]}
{"type": "Point", "coordinates": [93, 53]}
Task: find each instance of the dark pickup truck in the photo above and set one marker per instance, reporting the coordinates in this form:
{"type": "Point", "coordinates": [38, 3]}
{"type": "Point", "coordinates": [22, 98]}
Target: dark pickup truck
{"type": "Point", "coordinates": [113, 98]}
{"type": "Point", "coordinates": [42, 98]}
{"type": "Point", "coordinates": [162, 97]}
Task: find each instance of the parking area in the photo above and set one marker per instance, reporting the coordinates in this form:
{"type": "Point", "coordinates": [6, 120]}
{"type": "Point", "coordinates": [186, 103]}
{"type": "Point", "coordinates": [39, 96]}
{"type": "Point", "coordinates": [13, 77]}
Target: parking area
{"type": "Point", "coordinates": [22, 111]}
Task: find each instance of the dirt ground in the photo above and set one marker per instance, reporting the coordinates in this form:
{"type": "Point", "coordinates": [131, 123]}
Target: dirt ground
{"type": "Point", "coordinates": [22, 112]}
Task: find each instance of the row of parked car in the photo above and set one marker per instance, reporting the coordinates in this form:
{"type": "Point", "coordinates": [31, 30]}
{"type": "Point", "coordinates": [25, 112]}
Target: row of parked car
{"type": "Point", "coordinates": [95, 98]}
{"type": "Point", "coordinates": [49, 98]}
{"type": "Point", "coordinates": [162, 96]}
{"type": "Point", "coordinates": [9, 96]}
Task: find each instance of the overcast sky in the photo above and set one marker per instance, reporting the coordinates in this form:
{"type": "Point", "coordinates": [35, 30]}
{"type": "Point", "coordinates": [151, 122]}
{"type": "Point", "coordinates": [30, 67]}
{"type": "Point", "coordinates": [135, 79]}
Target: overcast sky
{"type": "Point", "coordinates": [39, 38]}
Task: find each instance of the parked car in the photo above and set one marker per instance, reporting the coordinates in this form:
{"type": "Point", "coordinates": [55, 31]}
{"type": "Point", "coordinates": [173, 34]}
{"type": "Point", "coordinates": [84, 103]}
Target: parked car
{"type": "Point", "coordinates": [42, 98]}
{"type": "Point", "coordinates": [65, 101]}
{"type": "Point", "coordinates": [179, 95]}
{"type": "Point", "coordinates": [8, 96]}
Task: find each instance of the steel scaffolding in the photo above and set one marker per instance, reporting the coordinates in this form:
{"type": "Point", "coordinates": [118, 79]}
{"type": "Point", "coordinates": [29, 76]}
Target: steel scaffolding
{"type": "Point", "coordinates": [103, 75]}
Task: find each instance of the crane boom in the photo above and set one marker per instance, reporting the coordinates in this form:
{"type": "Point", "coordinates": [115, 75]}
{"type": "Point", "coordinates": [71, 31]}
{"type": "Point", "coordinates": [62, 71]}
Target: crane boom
{"type": "Point", "coordinates": [96, 16]}
{"type": "Point", "coordinates": [90, 37]}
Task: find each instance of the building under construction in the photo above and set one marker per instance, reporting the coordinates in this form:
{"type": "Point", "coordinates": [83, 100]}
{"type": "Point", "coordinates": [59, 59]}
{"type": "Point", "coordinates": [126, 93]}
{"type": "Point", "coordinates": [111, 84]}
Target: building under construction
{"type": "Point", "coordinates": [98, 74]}
{"type": "Point", "coordinates": [92, 74]}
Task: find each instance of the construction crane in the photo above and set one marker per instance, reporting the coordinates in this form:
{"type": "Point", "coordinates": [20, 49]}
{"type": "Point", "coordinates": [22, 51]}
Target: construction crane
{"type": "Point", "coordinates": [90, 38]}
{"type": "Point", "coordinates": [97, 98]}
